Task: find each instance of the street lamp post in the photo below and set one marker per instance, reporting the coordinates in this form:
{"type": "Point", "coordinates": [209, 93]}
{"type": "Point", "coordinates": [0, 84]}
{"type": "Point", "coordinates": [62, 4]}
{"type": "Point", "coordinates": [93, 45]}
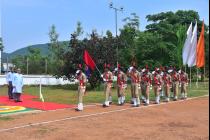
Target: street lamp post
{"type": "Point", "coordinates": [116, 28]}
{"type": "Point", "coordinates": [1, 49]}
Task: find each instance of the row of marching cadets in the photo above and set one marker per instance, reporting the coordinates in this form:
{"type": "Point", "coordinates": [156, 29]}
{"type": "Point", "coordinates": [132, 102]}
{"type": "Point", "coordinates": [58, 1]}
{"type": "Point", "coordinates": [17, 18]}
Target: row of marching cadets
{"type": "Point", "coordinates": [162, 81]}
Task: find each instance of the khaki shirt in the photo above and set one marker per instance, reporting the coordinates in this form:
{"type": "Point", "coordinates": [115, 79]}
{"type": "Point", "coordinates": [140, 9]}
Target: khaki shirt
{"type": "Point", "coordinates": [82, 79]}
{"type": "Point", "coordinates": [108, 77]}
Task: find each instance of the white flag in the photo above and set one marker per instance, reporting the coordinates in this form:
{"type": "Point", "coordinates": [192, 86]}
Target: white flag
{"type": "Point", "coordinates": [186, 48]}
{"type": "Point", "coordinates": [192, 57]}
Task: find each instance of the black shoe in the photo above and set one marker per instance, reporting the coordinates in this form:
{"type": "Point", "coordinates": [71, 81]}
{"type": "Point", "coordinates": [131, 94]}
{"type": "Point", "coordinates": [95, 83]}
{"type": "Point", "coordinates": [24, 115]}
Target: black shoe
{"type": "Point", "coordinates": [20, 101]}
{"type": "Point", "coordinates": [135, 105]}
{"type": "Point", "coordinates": [175, 99]}
{"type": "Point", "coordinates": [131, 102]}
{"type": "Point", "coordinates": [76, 109]}
{"type": "Point", "coordinates": [110, 103]}
{"type": "Point", "coordinates": [105, 105]}
{"type": "Point", "coordinates": [146, 104]}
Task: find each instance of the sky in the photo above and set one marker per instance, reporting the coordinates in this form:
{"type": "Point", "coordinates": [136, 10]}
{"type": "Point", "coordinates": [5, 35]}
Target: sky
{"type": "Point", "coordinates": [27, 22]}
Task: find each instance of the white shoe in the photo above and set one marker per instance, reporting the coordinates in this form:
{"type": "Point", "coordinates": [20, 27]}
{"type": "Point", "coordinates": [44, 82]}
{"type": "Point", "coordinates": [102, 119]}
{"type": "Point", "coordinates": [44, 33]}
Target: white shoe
{"type": "Point", "coordinates": [80, 107]}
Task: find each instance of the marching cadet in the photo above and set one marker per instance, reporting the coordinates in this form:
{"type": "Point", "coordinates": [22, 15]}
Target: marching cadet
{"type": "Point", "coordinates": [135, 82]}
{"type": "Point", "coordinates": [170, 71]}
{"type": "Point", "coordinates": [156, 82]}
{"type": "Point", "coordinates": [162, 84]}
{"type": "Point", "coordinates": [82, 80]}
{"type": "Point", "coordinates": [184, 82]}
{"type": "Point", "coordinates": [108, 79]}
{"type": "Point", "coordinates": [145, 84]}
{"type": "Point", "coordinates": [132, 85]}
{"type": "Point", "coordinates": [9, 78]}
{"type": "Point", "coordinates": [121, 85]}
{"type": "Point", "coordinates": [166, 78]}
{"type": "Point", "coordinates": [17, 84]}
{"type": "Point", "coordinates": [175, 81]}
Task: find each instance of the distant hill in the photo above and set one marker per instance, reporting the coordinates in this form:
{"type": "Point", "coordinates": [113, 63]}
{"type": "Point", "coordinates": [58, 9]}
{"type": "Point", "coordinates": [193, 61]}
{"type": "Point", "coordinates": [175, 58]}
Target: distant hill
{"type": "Point", "coordinates": [24, 51]}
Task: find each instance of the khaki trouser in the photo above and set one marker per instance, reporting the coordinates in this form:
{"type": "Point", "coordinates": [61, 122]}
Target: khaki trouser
{"type": "Point", "coordinates": [156, 90]}
{"type": "Point", "coordinates": [107, 90]}
{"type": "Point", "coordinates": [183, 88]}
{"type": "Point", "coordinates": [175, 88]}
{"type": "Point", "coordinates": [132, 90]}
{"type": "Point", "coordinates": [81, 91]}
{"type": "Point", "coordinates": [120, 90]}
{"type": "Point", "coordinates": [145, 89]}
{"type": "Point", "coordinates": [136, 92]}
{"type": "Point", "coordinates": [167, 89]}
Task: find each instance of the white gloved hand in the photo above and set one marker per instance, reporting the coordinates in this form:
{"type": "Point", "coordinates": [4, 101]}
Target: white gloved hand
{"type": "Point", "coordinates": [151, 87]}
{"type": "Point", "coordinates": [104, 80]}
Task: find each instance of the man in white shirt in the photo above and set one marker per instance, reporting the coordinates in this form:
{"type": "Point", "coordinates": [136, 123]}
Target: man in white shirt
{"type": "Point", "coordinates": [17, 85]}
{"type": "Point", "coordinates": [9, 77]}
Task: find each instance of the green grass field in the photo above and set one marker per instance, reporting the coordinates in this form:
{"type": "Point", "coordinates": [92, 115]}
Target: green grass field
{"type": "Point", "coordinates": [68, 94]}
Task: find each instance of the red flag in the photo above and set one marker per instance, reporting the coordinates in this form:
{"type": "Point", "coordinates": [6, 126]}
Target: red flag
{"type": "Point", "coordinates": [200, 59]}
{"type": "Point", "coordinates": [88, 60]}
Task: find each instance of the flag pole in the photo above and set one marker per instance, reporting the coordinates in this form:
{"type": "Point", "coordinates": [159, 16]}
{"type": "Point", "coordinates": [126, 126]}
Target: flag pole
{"type": "Point", "coordinates": [197, 78]}
{"type": "Point", "coordinates": [204, 72]}
{"type": "Point", "coordinates": [40, 93]}
{"type": "Point", "coordinates": [98, 69]}
{"type": "Point", "coordinates": [190, 77]}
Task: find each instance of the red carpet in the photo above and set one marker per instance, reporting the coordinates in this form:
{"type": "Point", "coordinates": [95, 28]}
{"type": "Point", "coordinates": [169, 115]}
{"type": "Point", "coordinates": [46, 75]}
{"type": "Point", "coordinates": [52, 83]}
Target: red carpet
{"type": "Point", "coordinates": [29, 103]}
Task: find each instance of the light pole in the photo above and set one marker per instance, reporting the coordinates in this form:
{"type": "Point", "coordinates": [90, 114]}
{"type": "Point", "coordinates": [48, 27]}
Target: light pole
{"type": "Point", "coordinates": [1, 49]}
{"type": "Point", "coordinates": [116, 10]}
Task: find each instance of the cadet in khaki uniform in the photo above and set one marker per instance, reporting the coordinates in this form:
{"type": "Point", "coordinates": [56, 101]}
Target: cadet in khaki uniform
{"type": "Point", "coordinates": [81, 77]}
{"type": "Point", "coordinates": [145, 84]}
{"type": "Point", "coordinates": [135, 81]}
{"type": "Point", "coordinates": [184, 82]}
{"type": "Point", "coordinates": [156, 82]}
{"type": "Point", "coordinates": [175, 81]}
{"type": "Point", "coordinates": [132, 85]}
{"type": "Point", "coordinates": [108, 81]}
{"type": "Point", "coordinates": [121, 85]}
{"type": "Point", "coordinates": [166, 78]}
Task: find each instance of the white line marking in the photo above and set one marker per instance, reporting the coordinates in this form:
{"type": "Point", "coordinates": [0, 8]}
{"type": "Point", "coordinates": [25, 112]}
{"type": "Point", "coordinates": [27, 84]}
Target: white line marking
{"type": "Point", "coordinates": [95, 114]}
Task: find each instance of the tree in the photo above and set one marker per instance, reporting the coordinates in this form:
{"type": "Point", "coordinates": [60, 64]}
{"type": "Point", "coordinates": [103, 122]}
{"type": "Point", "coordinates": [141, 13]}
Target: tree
{"type": "Point", "coordinates": [128, 35]}
{"type": "Point", "coordinates": [36, 63]}
{"type": "Point", "coordinates": [56, 52]}
{"type": "Point", "coordinates": [172, 29]}
{"type": "Point", "coordinates": [34, 59]}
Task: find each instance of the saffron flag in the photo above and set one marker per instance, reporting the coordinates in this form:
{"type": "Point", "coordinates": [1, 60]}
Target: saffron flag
{"type": "Point", "coordinates": [186, 48]}
{"type": "Point", "coordinates": [200, 59]}
{"type": "Point", "coordinates": [192, 55]}
{"type": "Point", "coordinates": [88, 60]}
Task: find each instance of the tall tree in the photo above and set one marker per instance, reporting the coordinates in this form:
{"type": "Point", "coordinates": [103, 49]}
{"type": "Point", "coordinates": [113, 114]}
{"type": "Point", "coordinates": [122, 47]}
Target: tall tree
{"type": "Point", "coordinates": [56, 51]}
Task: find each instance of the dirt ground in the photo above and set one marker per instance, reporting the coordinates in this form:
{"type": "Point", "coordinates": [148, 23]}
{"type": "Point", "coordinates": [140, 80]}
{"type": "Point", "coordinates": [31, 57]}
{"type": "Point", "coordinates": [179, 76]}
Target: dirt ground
{"type": "Point", "coordinates": [181, 120]}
